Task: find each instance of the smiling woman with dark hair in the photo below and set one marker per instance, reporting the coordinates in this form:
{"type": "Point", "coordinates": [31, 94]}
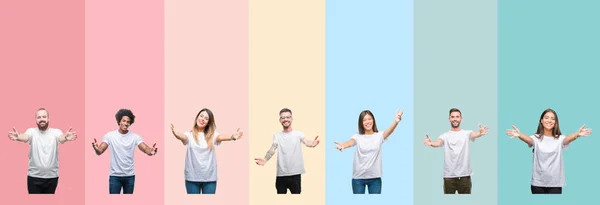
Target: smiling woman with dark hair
{"type": "Point", "coordinates": [367, 168]}
{"type": "Point", "coordinates": [548, 144]}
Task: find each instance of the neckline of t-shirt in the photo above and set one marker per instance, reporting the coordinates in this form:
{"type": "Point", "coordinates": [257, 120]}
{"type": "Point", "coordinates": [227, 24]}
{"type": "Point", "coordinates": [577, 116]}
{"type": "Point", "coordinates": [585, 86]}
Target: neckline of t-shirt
{"type": "Point", "coordinates": [123, 135]}
{"type": "Point", "coordinates": [456, 131]}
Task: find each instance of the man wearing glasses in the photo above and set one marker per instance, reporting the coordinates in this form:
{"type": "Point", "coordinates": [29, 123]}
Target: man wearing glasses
{"type": "Point", "coordinates": [290, 164]}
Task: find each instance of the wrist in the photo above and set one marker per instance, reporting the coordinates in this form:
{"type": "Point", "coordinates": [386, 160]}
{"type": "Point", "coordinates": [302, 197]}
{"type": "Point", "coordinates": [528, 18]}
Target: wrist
{"type": "Point", "coordinates": [232, 138]}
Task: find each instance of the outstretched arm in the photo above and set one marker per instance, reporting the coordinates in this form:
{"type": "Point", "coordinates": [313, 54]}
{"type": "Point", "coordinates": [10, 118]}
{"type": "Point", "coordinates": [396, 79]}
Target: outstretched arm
{"type": "Point", "coordinates": [342, 146]}
{"type": "Point", "coordinates": [16, 136]}
{"type": "Point", "coordinates": [150, 151]}
{"type": "Point", "coordinates": [310, 143]}
{"type": "Point", "coordinates": [270, 153]}
{"type": "Point", "coordinates": [180, 136]}
{"type": "Point", "coordinates": [99, 148]}
{"type": "Point", "coordinates": [392, 127]}
{"type": "Point", "coordinates": [482, 131]}
{"type": "Point", "coordinates": [516, 133]}
{"type": "Point", "coordinates": [437, 143]}
{"type": "Point", "coordinates": [68, 136]}
{"type": "Point", "coordinates": [581, 132]}
{"type": "Point", "coordinates": [235, 136]}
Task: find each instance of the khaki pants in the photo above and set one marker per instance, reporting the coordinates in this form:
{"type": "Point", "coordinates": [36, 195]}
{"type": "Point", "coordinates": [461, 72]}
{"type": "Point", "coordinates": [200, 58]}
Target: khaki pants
{"type": "Point", "coordinates": [461, 184]}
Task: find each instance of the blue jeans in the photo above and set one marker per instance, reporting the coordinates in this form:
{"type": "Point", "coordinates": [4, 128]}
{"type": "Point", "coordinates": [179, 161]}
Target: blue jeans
{"type": "Point", "coordinates": [115, 184]}
{"type": "Point", "coordinates": [374, 185]}
{"type": "Point", "coordinates": [200, 187]}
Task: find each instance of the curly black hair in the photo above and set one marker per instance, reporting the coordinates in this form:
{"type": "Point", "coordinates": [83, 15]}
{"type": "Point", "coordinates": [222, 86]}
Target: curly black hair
{"type": "Point", "coordinates": [125, 112]}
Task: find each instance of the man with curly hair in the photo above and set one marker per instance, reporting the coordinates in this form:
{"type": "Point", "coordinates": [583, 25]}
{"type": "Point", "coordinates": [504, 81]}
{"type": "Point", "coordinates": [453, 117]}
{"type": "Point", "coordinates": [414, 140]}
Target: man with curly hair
{"type": "Point", "coordinates": [122, 143]}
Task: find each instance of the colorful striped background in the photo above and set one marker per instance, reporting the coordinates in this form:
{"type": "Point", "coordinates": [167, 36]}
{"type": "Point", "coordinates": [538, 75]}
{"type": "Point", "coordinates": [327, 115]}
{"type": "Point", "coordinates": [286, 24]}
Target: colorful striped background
{"type": "Point", "coordinates": [500, 62]}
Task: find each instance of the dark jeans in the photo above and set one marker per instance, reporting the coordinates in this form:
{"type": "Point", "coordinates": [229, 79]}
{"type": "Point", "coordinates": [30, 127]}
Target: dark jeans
{"type": "Point", "coordinates": [200, 187]}
{"type": "Point", "coordinates": [545, 190]}
{"type": "Point", "coordinates": [288, 182]}
{"type": "Point", "coordinates": [461, 184]}
{"type": "Point", "coordinates": [115, 184]}
{"type": "Point", "coordinates": [374, 186]}
{"type": "Point", "coordinates": [41, 185]}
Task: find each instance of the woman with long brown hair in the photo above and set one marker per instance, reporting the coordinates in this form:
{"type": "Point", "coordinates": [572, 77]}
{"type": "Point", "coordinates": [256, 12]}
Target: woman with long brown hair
{"type": "Point", "coordinates": [201, 158]}
{"type": "Point", "coordinates": [548, 144]}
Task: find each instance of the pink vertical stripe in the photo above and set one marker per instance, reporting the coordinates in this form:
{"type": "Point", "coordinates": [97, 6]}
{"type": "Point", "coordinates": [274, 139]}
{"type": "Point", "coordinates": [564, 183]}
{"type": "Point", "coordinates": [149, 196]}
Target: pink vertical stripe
{"type": "Point", "coordinates": [124, 69]}
{"type": "Point", "coordinates": [206, 65]}
{"type": "Point", "coordinates": [41, 62]}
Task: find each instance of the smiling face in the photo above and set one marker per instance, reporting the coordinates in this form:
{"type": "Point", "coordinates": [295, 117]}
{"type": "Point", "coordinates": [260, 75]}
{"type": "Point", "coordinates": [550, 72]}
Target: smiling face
{"type": "Point", "coordinates": [455, 119]}
{"type": "Point", "coordinates": [548, 121]}
{"type": "Point", "coordinates": [202, 120]}
{"type": "Point", "coordinates": [41, 119]}
{"type": "Point", "coordinates": [367, 122]}
{"type": "Point", "coordinates": [124, 124]}
{"type": "Point", "coordinates": [285, 118]}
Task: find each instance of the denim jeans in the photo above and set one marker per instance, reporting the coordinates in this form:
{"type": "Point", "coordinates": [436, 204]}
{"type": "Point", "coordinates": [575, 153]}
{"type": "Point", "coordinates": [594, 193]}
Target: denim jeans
{"type": "Point", "coordinates": [115, 184]}
{"type": "Point", "coordinates": [200, 187]}
{"type": "Point", "coordinates": [374, 186]}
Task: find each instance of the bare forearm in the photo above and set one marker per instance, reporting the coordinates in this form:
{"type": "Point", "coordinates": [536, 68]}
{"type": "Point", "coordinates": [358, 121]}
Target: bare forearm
{"type": "Point", "coordinates": [307, 142]}
{"type": "Point", "coordinates": [437, 143]}
{"type": "Point", "coordinates": [271, 152]}
{"type": "Point", "coordinates": [181, 137]}
{"type": "Point", "coordinates": [570, 138]}
{"type": "Point", "coordinates": [526, 139]}
{"type": "Point", "coordinates": [99, 151]}
{"type": "Point", "coordinates": [348, 143]}
{"type": "Point", "coordinates": [390, 130]}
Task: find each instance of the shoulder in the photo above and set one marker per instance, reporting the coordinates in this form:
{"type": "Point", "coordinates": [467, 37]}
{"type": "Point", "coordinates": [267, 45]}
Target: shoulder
{"type": "Point", "coordinates": [56, 131]}
{"type": "Point", "coordinates": [30, 131]}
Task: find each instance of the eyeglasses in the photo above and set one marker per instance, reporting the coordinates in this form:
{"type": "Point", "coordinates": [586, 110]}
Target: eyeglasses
{"type": "Point", "coordinates": [285, 117]}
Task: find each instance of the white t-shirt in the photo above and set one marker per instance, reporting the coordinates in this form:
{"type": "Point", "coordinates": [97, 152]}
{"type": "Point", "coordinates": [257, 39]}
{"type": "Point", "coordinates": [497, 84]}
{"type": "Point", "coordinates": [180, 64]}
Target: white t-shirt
{"type": "Point", "coordinates": [457, 158]}
{"type": "Point", "coordinates": [367, 157]}
{"type": "Point", "coordinates": [548, 164]}
{"type": "Point", "coordinates": [200, 161]}
{"type": "Point", "coordinates": [121, 152]}
{"type": "Point", "coordinates": [43, 152]}
{"type": "Point", "coordinates": [289, 150]}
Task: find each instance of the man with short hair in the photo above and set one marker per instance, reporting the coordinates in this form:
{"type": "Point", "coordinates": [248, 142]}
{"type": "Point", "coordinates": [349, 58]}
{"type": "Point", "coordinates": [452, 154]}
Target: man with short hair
{"type": "Point", "coordinates": [122, 143]}
{"type": "Point", "coordinates": [42, 174]}
{"type": "Point", "coordinates": [290, 163]}
{"type": "Point", "coordinates": [457, 159]}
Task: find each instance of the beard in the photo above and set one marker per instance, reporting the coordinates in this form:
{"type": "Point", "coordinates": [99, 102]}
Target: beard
{"type": "Point", "coordinates": [285, 127]}
{"type": "Point", "coordinates": [42, 127]}
{"type": "Point", "coordinates": [457, 125]}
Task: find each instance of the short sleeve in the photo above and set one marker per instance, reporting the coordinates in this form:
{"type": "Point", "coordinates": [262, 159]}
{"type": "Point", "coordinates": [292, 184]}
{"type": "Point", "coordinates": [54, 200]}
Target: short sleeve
{"type": "Point", "coordinates": [561, 139]}
{"type": "Point", "coordinates": [215, 135]}
{"type": "Point", "coordinates": [380, 136]}
{"type": "Point", "coordinates": [275, 139]}
{"type": "Point", "coordinates": [468, 134]}
{"type": "Point", "coordinates": [444, 138]}
{"type": "Point", "coordinates": [106, 138]}
{"type": "Point", "coordinates": [354, 137]}
{"type": "Point", "coordinates": [535, 140]}
{"type": "Point", "coordinates": [30, 132]}
{"type": "Point", "coordinates": [57, 133]}
{"type": "Point", "coordinates": [301, 135]}
{"type": "Point", "coordinates": [138, 139]}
